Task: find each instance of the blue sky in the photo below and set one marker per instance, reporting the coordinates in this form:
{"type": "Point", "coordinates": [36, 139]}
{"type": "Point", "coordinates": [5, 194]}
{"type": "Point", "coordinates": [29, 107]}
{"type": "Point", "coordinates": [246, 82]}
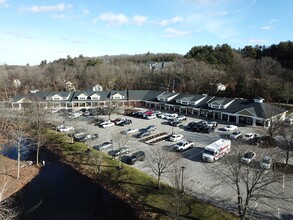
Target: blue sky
{"type": "Point", "coordinates": [36, 30]}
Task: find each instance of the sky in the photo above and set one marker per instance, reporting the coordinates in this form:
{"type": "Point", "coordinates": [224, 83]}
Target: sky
{"type": "Point", "coordinates": [36, 30]}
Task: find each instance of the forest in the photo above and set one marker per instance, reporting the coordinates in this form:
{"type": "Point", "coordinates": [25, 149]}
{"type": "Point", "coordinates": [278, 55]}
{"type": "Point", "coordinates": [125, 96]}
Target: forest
{"type": "Point", "coordinates": [265, 71]}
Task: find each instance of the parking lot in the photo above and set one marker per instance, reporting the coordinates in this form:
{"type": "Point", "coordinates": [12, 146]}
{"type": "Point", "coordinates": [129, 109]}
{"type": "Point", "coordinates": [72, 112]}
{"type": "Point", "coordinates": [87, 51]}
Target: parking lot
{"type": "Point", "coordinates": [198, 181]}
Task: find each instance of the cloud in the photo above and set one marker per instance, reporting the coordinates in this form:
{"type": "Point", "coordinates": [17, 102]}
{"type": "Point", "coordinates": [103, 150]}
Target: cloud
{"type": "Point", "coordinates": [73, 41]}
{"type": "Point", "coordinates": [85, 12]}
{"type": "Point", "coordinates": [257, 41]}
{"type": "Point", "coordinates": [111, 18]}
{"type": "Point", "coordinates": [46, 8]}
{"type": "Point", "coordinates": [269, 25]}
{"type": "Point", "coordinates": [172, 32]}
{"type": "Point", "coordinates": [59, 16]}
{"type": "Point", "coordinates": [166, 22]}
{"type": "Point", "coordinates": [272, 21]}
{"type": "Point", "coordinates": [139, 20]}
{"type": "Point", "coordinates": [3, 4]}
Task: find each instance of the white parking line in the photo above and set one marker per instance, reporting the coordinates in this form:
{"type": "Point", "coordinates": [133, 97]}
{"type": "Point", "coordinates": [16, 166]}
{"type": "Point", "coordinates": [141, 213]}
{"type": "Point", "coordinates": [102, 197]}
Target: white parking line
{"type": "Point", "coordinates": [217, 192]}
{"type": "Point", "coordinates": [229, 203]}
{"type": "Point", "coordinates": [199, 186]}
{"type": "Point", "coordinates": [254, 209]}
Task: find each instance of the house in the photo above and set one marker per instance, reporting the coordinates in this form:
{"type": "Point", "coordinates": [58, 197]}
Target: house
{"type": "Point", "coordinates": [97, 87]}
{"type": "Point", "coordinates": [254, 112]}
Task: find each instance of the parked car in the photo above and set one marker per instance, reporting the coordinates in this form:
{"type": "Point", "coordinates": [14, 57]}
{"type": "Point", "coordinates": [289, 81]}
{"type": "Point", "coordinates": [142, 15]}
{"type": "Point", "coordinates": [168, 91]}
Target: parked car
{"type": "Point", "coordinates": [157, 112]}
{"type": "Point", "coordinates": [79, 133]}
{"type": "Point", "coordinates": [131, 131]}
{"type": "Point", "coordinates": [148, 112]}
{"type": "Point", "coordinates": [108, 124]}
{"type": "Point", "coordinates": [120, 151]}
{"type": "Point", "coordinates": [101, 122]}
{"type": "Point", "coordinates": [175, 123]}
{"type": "Point", "coordinates": [163, 115]}
{"type": "Point", "coordinates": [152, 116]}
{"type": "Point", "coordinates": [66, 129]}
{"type": "Point", "coordinates": [235, 135]}
{"type": "Point", "coordinates": [183, 145]}
{"type": "Point", "coordinates": [117, 120]}
{"type": "Point", "coordinates": [88, 137]}
{"type": "Point", "coordinates": [137, 156]}
{"type": "Point", "coordinates": [190, 125]}
{"type": "Point", "coordinates": [143, 134]}
{"type": "Point", "coordinates": [58, 127]}
{"type": "Point", "coordinates": [266, 162]}
{"type": "Point", "coordinates": [248, 157]}
{"type": "Point", "coordinates": [249, 136]}
{"type": "Point", "coordinates": [151, 128]}
{"type": "Point", "coordinates": [86, 113]}
{"type": "Point", "coordinates": [203, 127]}
{"type": "Point", "coordinates": [212, 124]}
{"type": "Point", "coordinates": [137, 114]}
{"type": "Point", "coordinates": [181, 117]}
{"type": "Point", "coordinates": [230, 128]}
{"type": "Point", "coordinates": [125, 122]}
{"type": "Point", "coordinates": [103, 146]}
{"type": "Point", "coordinates": [175, 137]}
{"type": "Point", "coordinates": [171, 116]}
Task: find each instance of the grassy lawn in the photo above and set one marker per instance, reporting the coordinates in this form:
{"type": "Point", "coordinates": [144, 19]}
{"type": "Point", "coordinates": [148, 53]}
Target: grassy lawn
{"type": "Point", "coordinates": [133, 185]}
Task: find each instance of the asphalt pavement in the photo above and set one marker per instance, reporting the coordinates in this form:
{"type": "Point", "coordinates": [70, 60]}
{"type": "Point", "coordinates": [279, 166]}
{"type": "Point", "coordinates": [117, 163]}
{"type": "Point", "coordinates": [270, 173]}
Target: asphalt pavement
{"type": "Point", "coordinates": [199, 181]}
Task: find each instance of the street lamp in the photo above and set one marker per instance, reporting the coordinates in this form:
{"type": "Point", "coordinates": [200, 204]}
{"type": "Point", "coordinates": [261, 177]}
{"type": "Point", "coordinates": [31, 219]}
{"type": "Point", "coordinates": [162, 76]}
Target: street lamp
{"type": "Point", "coordinates": [182, 185]}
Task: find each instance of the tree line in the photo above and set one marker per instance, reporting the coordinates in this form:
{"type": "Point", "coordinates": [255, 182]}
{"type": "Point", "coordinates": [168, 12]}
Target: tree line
{"type": "Point", "coordinates": [247, 72]}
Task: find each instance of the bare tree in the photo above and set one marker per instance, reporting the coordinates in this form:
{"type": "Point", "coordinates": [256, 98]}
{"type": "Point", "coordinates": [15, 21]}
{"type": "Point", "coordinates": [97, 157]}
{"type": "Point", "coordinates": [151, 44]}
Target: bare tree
{"type": "Point", "coordinates": [7, 212]}
{"type": "Point", "coordinates": [287, 135]}
{"type": "Point", "coordinates": [38, 125]}
{"type": "Point", "coordinates": [120, 140]}
{"type": "Point", "coordinates": [160, 162]}
{"type": "Point", "coordinates": [97, 161]}
{"type": "Point", "coordinates": [175, 200]}
{"type": "Point", "coordinates": [250, 182]}
{"type": "Point", "coordinates": [17, 134]}
{"type": "Point", "coordinates": [273, 130]}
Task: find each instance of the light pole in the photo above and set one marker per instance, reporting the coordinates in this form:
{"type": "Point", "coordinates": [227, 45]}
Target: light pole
{"type": "Point", "coordinates": [182, 185]}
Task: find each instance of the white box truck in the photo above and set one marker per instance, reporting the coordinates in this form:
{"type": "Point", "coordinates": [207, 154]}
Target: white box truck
{"type": "Point", "coordinates": [216, 150]}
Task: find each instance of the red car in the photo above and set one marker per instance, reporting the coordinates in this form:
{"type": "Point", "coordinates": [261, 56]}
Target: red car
{"type": "Point", "coordinates": [117, 121]}
{"type": "Point", "coordinates": [149, 112]}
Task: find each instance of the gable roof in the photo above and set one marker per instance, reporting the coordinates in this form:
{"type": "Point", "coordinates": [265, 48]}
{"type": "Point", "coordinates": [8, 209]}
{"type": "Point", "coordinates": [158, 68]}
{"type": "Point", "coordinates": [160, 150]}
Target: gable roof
{"type": "Point", "coordinates": [143, 95]}
{"type": "Point", "coordinates": [245, 107]}
{"type": "Point", "coordinates": [221, 100]}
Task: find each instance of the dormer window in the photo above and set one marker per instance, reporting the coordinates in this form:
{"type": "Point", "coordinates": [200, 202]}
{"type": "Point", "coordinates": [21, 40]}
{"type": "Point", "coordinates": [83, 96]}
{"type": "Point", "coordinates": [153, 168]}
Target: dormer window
{"type": "Point", "coordinates": [117, 96]}
{"type": "Point", "coordinates": [258, 100]}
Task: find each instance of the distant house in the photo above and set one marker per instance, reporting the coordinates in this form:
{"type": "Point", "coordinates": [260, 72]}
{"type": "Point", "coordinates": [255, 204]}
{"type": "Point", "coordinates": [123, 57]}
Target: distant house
{"type": "Point", "coordinates": [34, 90]}
{"type": "Point", "coordinates": [158, 65]}
{"type": "Point", "coordinates": [98, 87]}
{"type": "Point", "coordinates": [69, 86]}
{"type": "Point", "coordinates": [221, 87]}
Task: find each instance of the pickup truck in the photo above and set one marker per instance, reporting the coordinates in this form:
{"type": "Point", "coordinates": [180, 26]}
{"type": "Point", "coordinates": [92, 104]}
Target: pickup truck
{"type": "Point", "coordinates": [183, 145]}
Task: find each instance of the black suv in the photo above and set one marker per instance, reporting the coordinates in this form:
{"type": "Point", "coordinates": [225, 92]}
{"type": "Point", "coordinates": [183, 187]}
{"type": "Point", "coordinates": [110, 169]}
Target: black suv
{"type": "Point", "coordinates": [125, 122]}
{"type": "Point", "coordinates": [143, 134]}
{"type": "Point", "coordinates": [137, 156]}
